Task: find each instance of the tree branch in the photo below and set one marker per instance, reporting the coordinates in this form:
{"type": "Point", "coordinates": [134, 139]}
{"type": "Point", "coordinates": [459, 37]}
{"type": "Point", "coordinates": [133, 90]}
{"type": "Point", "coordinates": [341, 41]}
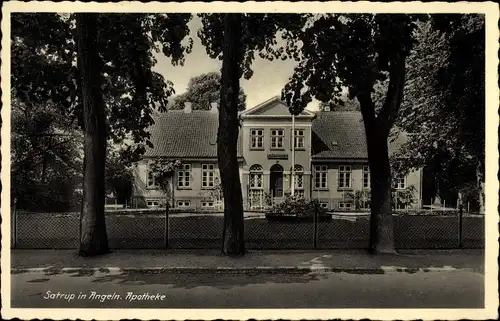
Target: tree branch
{"type": "Point", "coordinates": [367, 110]}
{"type": "Point", "coordinates": [394, 96]}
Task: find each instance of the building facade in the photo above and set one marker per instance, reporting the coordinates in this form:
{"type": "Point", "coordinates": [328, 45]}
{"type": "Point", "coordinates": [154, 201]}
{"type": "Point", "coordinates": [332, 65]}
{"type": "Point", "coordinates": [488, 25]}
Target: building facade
{"type": "Point", "coordinates": [322, 154]}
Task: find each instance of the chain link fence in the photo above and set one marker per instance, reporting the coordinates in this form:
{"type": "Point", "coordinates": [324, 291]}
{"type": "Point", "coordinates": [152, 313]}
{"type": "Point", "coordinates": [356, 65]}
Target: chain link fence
{"type": "Point", "coordinates": [157, 229]}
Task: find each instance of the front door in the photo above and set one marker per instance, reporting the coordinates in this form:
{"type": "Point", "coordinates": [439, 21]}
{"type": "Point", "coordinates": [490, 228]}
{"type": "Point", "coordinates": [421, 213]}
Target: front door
{"type": "Point", "coordinates": [276, 181]}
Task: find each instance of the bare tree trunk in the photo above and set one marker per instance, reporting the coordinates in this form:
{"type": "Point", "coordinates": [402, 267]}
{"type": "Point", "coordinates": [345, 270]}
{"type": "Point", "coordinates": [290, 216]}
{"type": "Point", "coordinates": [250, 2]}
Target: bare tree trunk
{"type": "Point", "coordinates": [381, 223]}
{"type": "Point", "coordinates": [93, 237]}
{"type": "Point", "coordinates": [377, 129]}
{"type": "Point", "coordinates": [227, 138]}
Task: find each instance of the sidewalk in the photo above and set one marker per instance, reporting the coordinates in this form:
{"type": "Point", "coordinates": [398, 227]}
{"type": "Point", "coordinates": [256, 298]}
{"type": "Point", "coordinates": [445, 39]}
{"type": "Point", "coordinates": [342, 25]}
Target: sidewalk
{"type": "Point", "coordinates": [211, 261]}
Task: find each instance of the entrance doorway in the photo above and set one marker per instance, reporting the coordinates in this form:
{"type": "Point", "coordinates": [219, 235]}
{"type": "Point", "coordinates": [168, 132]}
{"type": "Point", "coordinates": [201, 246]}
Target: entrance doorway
{"type": "Point", "coordinates": [276, 181]}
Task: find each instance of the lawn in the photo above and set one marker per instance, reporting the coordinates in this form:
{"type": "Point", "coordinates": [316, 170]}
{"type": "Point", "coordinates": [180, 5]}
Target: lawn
{"type": "Point", "coordinates": [37, 230]}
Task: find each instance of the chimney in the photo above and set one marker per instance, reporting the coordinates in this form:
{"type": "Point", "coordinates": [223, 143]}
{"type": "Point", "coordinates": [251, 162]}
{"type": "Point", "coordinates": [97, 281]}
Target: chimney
{"type": "Point", "coordinates": [187, 107]}
{"type": "Point", "coordinates": [214, 108]}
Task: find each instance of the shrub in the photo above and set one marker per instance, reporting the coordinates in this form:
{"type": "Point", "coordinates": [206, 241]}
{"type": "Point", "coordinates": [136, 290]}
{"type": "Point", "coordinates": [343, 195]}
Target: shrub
{"type": "Point", "coordinates": [362, 199]}
{"type": "Point", "coordinates": [295, 205]}
{"type": "Point", "coordinates": [403, 198]}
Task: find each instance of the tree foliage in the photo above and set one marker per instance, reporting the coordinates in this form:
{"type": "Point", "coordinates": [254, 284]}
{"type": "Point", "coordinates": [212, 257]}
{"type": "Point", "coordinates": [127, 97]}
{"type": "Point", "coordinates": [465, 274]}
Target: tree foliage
{"type": "Point", "coordinates": [345, 104]}
{"type": "Point", "coordinates": [132, 91]}
{"type": "Point", "coordinates": [163, 171]}
{"type": "Point", "coordinates": [444, 105]}
{"type": "Point", "coordinates": [45, 158]}
{"type": "Point", "coordinates": [202, 91]}
{"type": "Point", "coordinates": [97, 69]}
{"type": "Point", "coordinates": [260, 36]}
{"type": "Point", "coordinates": [362, 52]}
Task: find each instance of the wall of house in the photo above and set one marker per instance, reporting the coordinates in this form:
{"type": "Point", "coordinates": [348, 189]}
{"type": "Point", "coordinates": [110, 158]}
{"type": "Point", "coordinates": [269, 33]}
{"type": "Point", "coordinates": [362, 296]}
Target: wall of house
{"type": "Point", "coordinates": [332, 196]}
{"type": "Point", "coordinates": [268, 156]}
{"type": "Point", "coordinates": [141, 192]}
{"type": "Point", "coordinates": [193, 197]}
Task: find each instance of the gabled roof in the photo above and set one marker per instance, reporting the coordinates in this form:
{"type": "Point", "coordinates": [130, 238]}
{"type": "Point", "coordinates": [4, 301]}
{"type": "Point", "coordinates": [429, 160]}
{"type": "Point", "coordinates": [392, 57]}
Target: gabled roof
{"type": "Point", "coordinates": [340, 135]}
{"type": "Point", "coordinates": [177, 134]}
{"type": "Point", "coordinates": [336, 135]}
{"type": "Point", "coordinates": [274, 107]}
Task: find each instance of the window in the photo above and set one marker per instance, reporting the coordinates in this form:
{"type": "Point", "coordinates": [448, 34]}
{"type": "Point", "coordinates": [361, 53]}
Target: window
{"type": "Point", "coordinates": [184, 176]}
{"type": "Point", "coordinates": [183, 203]}
{"type": "Point", "coordinates": [323, 204]}
{"type": "Point", "coordinates": [207, 204]}
{"type": "Point", "coordinates": [151, 181]}
{"type": "Point", "coordinates": [344, 206]}
{"type": "Point", "coordinates": [152, 203]}
{"type": "Point", "coordinates": [299, 138]}
{"type": "Point", "coordinates": [366, 176]}
{"type": "Point", "coordinates": [277, 136]}
{"type": "Point", "coordinates": [344, 177]}
{"type": "Point", "coordinates": [320, 176]}
{"type": "Point", "coordinates": [399, 183]}
{"type": "Point", "coordinates": [256, 138]}
{"type": "Point", "coordinates": [207, 175]}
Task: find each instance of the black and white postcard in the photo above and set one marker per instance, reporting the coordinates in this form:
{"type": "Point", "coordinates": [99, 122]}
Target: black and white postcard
{"type": "Point", "coordinates": [252, 160]}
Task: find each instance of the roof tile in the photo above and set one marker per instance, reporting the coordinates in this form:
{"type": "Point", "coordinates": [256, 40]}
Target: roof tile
{"type": "Point", "coordinates": [177, 134]}
{"type": "Point", "coordinates": [336, 135]}
{"type": "Point", "coordinates": [342, 135]}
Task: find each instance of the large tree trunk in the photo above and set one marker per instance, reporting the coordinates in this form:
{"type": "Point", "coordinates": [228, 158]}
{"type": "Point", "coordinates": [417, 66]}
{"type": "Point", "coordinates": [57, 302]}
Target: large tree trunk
{"type": "Point", "coordinates": [381, 223]}
{"type": "Point", "coordinates": [93, 237]}
{"type": "Point", "coordinates": [227, 138]}
{"type": "Point", "coordinates": [377, 129]}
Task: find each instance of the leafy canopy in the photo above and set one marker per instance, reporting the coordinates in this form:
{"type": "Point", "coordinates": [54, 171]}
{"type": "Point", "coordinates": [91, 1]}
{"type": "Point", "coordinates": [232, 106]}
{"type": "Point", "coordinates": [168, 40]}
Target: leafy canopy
{"type": "Point", "coordinates": [163, 170]}
{"type": "Point", "coordinates": [45, 158]}
{"type": "Point", "coordinates": [44, 66]}
{"type": "Point", "coordinates": [202, 91]}
{"type": "Point", "coordinates": [261, 33]}
{"type": "Point", "coordinates": [444, 101]}
{"type": "Point", "coordinates": [341, 51]}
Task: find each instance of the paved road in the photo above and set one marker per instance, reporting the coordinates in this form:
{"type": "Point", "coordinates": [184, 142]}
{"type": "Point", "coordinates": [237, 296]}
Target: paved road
{"type": "Point", "coordinates": [453, 289]}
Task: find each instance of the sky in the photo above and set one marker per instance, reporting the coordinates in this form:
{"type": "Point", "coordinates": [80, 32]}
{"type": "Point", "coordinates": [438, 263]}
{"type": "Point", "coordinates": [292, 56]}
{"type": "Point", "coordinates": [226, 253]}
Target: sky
{"type": "Point", "coordinates": [267, 81]}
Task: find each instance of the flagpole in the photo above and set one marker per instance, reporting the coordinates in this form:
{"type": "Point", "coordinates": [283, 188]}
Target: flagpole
{"type": "Point", "coordinates": [293, 155]}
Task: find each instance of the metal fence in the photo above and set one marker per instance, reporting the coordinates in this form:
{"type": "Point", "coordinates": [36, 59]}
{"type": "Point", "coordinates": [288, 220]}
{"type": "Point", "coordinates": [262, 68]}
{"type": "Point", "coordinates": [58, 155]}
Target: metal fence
{"type": "Point", "coordinates": [159, 229]}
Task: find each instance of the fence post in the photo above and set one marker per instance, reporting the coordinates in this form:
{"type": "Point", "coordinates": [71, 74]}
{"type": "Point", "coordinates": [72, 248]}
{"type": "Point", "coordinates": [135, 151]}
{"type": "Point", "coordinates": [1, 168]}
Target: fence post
{"type": "Point", "coordinates": [315, 223]}
{"type": "Point", "coordinates": [167, 208]}
{"type": "Point", "coordinates": [460, 225]}
{"type": "Point", "coordinates": [14, 225]}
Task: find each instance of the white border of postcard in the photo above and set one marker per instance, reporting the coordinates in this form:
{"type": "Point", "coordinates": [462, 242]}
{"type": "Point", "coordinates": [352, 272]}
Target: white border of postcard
{"type": "Point", "coordinates": [490, 9]}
